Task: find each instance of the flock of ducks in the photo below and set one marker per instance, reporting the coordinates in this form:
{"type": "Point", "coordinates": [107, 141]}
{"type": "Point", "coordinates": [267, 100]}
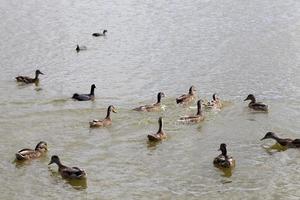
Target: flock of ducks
{"type": "Point", "coordinates": [222, 161]}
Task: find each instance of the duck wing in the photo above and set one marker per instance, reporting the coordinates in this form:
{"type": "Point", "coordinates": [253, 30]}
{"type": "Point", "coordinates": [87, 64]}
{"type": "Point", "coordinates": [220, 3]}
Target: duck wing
{"type": "Point", "coordinates": [73, 172]}
{"type": "Point", "coordinates": [181, 98]}
{"type": "Point", "coordinates": [25, 154]}
{"type": "Point", "coordinates": [96, 34]}
{"type": "Point", "coordinates": [296, 143]}
{"type": "Point", "coordinates": [24, 79]}
{"type": "Point", "coordinates": [259, 106]}
{"type": "Point", "coordinates": [82, 97]}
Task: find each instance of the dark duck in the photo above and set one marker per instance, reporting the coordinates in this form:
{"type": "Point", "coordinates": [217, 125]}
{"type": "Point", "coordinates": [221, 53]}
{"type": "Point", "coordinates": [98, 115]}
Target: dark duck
{"type": "Point", "coordinates": [68, 172]}
{"type": "Point", "coordinates": [223, 160]}
{"type": "Point", "coordinates": [85, 97]}
{"type": "Point", "coordinates": [285, 142]}
{"type": "Point", "coordinates": [28, 80]}
{"type": "Point", "coordinates": [100, 34]}
{"type": "Point", "coordinates": [258, 106]}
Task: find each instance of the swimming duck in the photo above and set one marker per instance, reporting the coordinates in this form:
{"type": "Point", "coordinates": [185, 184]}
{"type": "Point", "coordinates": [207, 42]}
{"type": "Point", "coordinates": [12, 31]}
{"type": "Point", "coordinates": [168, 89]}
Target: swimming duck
{"type": "Point", "coordinates": [99, 34]}
{"type": "Point", "coordinates": [27, 80]}
{"type": "Point", "coordinates": [85, 97]}
{"type": "Point", "coordinates": [28, 154]}
{"type": "Point", "coordinates": [215, 102]}
{"type": "Point", "coordinates": [187, 98]}
{"type": "Point", "coordinates": [68, 172]}
{"type": "Point", "coordinates": [80, 48]}
{"type": "Point", "coordinates": [223, 160]}
{"type": "Point", "coordinates": [256, 105]}
{"type": "Point", "coordinates": [154, 107]}
{"type": "Point", "coordinates": [287, 142]}
{"type": "Point", "coordinates": [106, 121]}
{"type": "Point", "coordinates": [194, 118]}
{"type": "Point", "coordinates": [160, 135]}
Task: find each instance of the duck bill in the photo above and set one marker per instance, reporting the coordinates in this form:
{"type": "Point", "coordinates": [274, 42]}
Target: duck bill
{"type": "Point", "coordinates": [50, 162]}
{"type": "Point", "coordinates": [114, 111]}
{"type": "Point", "coordinates": [263, 138]}
{"type": "Point", "coordinates": [246, 99]}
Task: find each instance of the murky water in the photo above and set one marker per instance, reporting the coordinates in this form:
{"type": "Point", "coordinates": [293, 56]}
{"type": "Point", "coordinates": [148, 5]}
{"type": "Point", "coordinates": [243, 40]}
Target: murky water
{"type": "Point", "coordinates": [230, 47]}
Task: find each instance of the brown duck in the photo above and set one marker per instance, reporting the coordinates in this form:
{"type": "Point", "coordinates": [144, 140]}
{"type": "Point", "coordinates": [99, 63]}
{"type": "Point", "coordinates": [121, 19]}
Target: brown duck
{"type": "Point", "coordinates": [106, 121]}
{"type": "Point", "coordinates": [160, 135]}
{"type": "Point", "coordinates": [187, 98]}
{"type": "Point", "coordinates": [28, 80]}
{"type": "Point", "coordinates": [68, 172]}
{"type": "Point", "coordinates": [154, 107]}
{"type": "Point", "coordinates": [285, 142]}
{"type": "Point", "coordinates": [28, 154]}
{"type": "Point", "coordinates": [256, 105]}
{"type": "Point", "coordinates": [194, 118]}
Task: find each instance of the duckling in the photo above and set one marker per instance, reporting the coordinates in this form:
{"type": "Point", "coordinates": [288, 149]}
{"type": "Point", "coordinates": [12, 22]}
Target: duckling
{"type": "Point", "coordinates": [100, 34]}
{"type": "Point", "coordinates": [287, 142]}
{"type": "Point", "coordinates": [28, 80]}
{"type": "Point", "coordinates": [256, 105]}
{"type": "Point", "coordinates": [187, 98]}
{"type": "Point", "coordinates": [68, 172]}
{"type": "Point", "coordinates": [154, 107]}
{"type": "Point", "coordinates": [215, 103]}
{"type": "Point", "coordinates": [106, 121]}
{"type": "Point", "coordinates": [28, 154]}
{"type": "Point", "coordinates": [194, 118]}
{"type": "Point", "coordinates": [160, 135]}
{"type": "Point", "coordinates": [80, 48]}
{"type": "Point", "coordinates": [223, 160]}
{"type": "Point", "coordinates": [85, 97]}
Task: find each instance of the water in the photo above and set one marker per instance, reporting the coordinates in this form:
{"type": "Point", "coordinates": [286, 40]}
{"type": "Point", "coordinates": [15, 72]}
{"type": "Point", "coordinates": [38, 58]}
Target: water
{"type": "Point", "coordinates": [230, 47]}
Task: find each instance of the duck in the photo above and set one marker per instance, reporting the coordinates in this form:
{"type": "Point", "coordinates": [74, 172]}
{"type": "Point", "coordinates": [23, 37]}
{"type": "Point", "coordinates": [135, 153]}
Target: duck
{"type": "Point", "coordinates": [85, 97]}
{"type": "Point", "coordinates": [194, 118]}
{"type": "Point", "coordinates": [154, 107]}
{"type": "Point", "coordinates": [187, 98]}
{"type": "Point", "coordinates": [223, 160]}
{"type": "Point", "coordinates": [100, 34]}
{"type": "Point", "coordinates": [80, 48]}
{"type": "Point", "coordinates": [285, 142]}
{"type": "Point", "coordinates": [160, 135]}
{"type": "Point", "coordinates": [28, 80]}
{"type": "Point", "coordinates": [215, 103]}
{"type": "Point", "coordinates": [29, 154]}
{"type": "Point", "coordinates": [106, 121]}
{"type": "Point", "coordinates": [67, 172]}
{"type": "Point", "coordinates": [256, 105]}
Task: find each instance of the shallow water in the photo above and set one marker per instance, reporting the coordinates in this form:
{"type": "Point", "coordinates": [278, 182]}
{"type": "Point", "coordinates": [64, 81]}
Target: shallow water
{"type": "Point", "coordinates": [229, 47]}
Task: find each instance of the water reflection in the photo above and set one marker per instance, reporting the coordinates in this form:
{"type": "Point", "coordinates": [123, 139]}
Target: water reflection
{"type": "Point", "coordinates": [274, 148]}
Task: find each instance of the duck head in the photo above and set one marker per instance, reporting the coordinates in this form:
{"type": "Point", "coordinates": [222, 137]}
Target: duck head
{"type": "Point", "coordinates": [269, 135]}
{"type": "Point", "coordinates": [77, 48]}
{"type": "Point", "coordinates": [37, 72]}
{"type": "Point", "coordinates": [159, 96]}
{"type": "Point", "coordinates": [54, 159]}
{"type": "Point", "coordinates": [192, 90]}
{"type": "Point", "coordinates": [223, 149]}
{"type": "Point", "coordinates": [41, 146]}
{"type": "Point", "coordinates": [214, 97]}
{"type": "Point", "coordinates": [104, 31]}
{"type": "Point", "coordinates": [250, 97]}
{"type": "Point", "coordinates": [111, 108]}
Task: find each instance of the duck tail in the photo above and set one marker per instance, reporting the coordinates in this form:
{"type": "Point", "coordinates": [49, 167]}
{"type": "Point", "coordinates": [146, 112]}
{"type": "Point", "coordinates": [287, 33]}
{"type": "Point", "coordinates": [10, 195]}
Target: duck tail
{"type": "Point", "coordinates": [19, 156]}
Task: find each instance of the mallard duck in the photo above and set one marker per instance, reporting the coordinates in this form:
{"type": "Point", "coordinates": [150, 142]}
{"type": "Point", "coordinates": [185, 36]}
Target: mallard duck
{"type": "Point", "coordinates": [160, 135]}
{"type": "Point", "coordinates": [106, 121]}
{"type": "Point", "coordinates": [27, 80]}
{"type": "Point", "coordinates": [80, 48]}
{"type": "Point", "coordinates": [256, 105]}
{"type": "Point", "coordinates": [99, 34]}
{"type": "Point", "coordinates": [286, 142]}
{"type": "Point", "coordinates": [28, 154]}
{"type": "Point", "coordinates": [194, 118]}
{"type": "Point", "coordinates": [68, 172]}
{"type": "Point", "coordinates": [85, 97]}
{"type": "Point", "coordinates": [215, 103]}
{"type": "Point", "coordinates": [154, 107]}
{"type": "Point", "coordinates": [187, 98]}
{"type": "Point", "coordinates": [223, 160]}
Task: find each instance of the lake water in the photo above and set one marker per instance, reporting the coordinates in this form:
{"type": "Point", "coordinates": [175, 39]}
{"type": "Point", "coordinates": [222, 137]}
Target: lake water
{"type": "Point", "coordinates": [230, 47]}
